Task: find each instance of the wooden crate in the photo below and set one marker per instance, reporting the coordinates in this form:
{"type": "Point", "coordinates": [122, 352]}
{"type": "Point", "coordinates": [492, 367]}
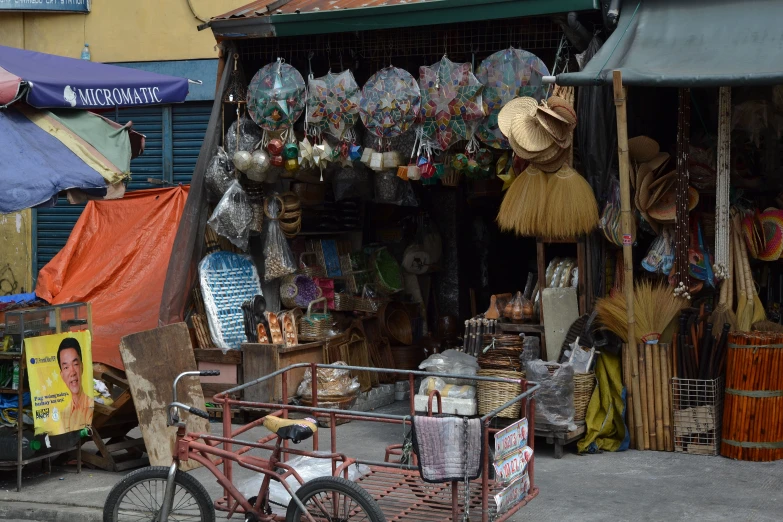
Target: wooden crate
{"type": "Point", "coordinates": [230, 366]}
{"type": "Point", "coordinates": [263, 359]}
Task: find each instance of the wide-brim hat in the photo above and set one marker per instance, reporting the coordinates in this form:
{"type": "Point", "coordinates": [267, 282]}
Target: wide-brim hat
{"type": "Point", "coordinates": [772, 227]}
{"type": "Point", "coordinates": [643, 149]}
{"type": "Point", "coordinates": [643, 181]}
{"type": "Point", "coordinates": [658, 187]}
{"type": "Point", "coordinates": [509, 112]}
{"type": "Point", "coordinates": [530, 134]}
{"type": "Point", "coordinates": [659, 161]}
{"type": "Point", "coordinates": [665, 209]}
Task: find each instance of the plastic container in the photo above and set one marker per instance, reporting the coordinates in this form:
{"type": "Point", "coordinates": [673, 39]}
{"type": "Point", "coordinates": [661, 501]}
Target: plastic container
{"type": "Point", "coordinates": [8, 444]}
{"type": "Point", "coordinates": [86, 52]}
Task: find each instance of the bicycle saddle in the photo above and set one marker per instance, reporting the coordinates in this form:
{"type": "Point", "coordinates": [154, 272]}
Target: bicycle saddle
{"type": "Point", "coordinates": [295, 430]}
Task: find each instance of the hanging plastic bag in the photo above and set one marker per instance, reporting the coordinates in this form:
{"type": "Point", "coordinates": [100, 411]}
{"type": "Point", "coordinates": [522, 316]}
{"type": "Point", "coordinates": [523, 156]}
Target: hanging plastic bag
{"type": "Point", "coordinates": [243, 134]}
{"type": "Point", "coordinates": [555, 398]}
{"type": "Point", "coordinates": [220, 174]}
{"type": "Point", "coordinates": [232, 216]}
{"type": "Point", "coordinates": [610, 219]}
{"type": "Point", "coordinates": [279, 258]}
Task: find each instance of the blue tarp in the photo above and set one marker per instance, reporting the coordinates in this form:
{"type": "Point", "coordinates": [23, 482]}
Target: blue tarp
{"type": "Point", "coordinates": [55, 81]}
{"type": "Point", "coordinates": [35, 166]}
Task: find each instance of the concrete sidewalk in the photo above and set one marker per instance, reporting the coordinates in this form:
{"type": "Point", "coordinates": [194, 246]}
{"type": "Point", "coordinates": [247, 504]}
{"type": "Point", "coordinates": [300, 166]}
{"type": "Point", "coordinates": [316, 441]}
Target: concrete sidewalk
{"type": "Point", "coordinates": [613, 486]}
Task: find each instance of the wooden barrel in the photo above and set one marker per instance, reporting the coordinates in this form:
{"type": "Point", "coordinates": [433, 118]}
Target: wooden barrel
{"type": "Point", "coordinates": [753, 401]}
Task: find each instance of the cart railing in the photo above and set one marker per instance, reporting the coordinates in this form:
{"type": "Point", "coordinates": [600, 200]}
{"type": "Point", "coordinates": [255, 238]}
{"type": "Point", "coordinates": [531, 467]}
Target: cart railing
{"type": "Point", "coordinates": [228, 440]}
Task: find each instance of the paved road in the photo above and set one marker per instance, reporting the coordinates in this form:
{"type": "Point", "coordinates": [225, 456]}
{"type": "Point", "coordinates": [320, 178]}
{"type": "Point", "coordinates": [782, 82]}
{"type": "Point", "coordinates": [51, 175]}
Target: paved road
{"type": "Point", "coordinates": [613, 486]}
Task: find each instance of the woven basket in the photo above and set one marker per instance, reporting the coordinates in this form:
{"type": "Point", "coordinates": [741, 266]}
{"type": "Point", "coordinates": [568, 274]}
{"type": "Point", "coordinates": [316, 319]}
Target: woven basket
{"type": "Point", "coordinates": [315, 327]}
{"type": "Point", "coordinates": [451, 179]}
{"type": "Point", "coordinates": [314, 270]}
{"type": "Point", "coordinates": [492, 395]}
{"type": "Point", "coordinates": [293, 288]}
{"type": "Point", "coordinates": [396, 323]}
{"type": "Point", "coordinates": [383, 278]}
{"type": "Point", "coordinates": [584, 384]}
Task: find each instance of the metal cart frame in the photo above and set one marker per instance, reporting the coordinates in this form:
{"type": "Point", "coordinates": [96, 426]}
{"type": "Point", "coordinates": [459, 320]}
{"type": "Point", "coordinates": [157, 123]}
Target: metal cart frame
{"type": "Point", "coordinates": [397, 488]}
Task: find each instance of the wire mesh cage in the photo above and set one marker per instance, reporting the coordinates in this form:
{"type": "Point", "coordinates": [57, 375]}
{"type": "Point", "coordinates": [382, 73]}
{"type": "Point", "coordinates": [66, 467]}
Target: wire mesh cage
{"type": "Point", "coordinates": [697, 411]}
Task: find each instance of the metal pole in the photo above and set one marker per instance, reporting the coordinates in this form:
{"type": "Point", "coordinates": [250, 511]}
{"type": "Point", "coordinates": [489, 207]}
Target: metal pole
{"type": "Point", "coordinates": [627, 230]}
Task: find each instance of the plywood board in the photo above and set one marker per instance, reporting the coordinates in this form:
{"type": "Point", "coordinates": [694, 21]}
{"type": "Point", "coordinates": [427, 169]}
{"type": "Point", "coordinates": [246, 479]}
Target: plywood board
{"type": "Point", "coordinates": [560, 311]}
{"type": "Point", "coordinates": [153, 359]}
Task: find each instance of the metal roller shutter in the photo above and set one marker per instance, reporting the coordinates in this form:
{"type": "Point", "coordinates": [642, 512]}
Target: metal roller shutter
{"type": "Point", "coordinates": [189, 125]}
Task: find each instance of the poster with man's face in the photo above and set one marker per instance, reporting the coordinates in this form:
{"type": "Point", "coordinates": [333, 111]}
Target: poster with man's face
{"type": "Point", "coordinates": [59, 368]}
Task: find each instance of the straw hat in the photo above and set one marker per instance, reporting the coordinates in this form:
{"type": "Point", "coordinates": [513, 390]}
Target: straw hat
{"type": "Point", "coordinates": [643, 149]}
{"type": "Point", "coordinates": [772, 226]}
{"type": "Point", "coordinates": [665, 209]}
{"type": "Point", "coordinates": [660, 186]}
{"type": "Point", "coordinates": [563, 109]}
{"type": "Point", "coordinates": [530, 134]}
{"type": "Point", "coordinates": [646, 178]}
{"type": "Point", "coordinates": [509, 112]}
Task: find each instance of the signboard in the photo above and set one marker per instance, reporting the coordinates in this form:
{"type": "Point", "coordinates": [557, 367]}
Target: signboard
{"type": "Point", "coordinates": [511, 439]}
{"type": "Point", "coordinates": [513, 494]}
{"type": "Point", "coordinates": [59, 368]}
{"type": "Point", "coordinates": [48, 6]}
{"type": "Point", "coordinates": [513, 466]}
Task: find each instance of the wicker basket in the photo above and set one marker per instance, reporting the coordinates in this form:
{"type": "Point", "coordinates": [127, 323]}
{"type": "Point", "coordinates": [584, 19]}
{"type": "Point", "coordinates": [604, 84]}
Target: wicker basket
{"type": "Point", "coordinates": [451, 179]}
{"type": "Point", "coordinates": [584, 384]}
{"type": "Point", "coordinates": [315, 327]}
{"type": "Point", "coordinates": [396, 323]}
{"type": "Point", "coordinates": [291, 290]}
{"type": "Point", "coordinates": [383, 278]}
{"type": "Point", "coordinates": [314, 270]}
{"type": "Point", "coordinates": [492, 395]}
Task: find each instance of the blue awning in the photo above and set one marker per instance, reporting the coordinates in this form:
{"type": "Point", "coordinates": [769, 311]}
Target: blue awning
{"type": "Point", "coordinates": [49, 81]}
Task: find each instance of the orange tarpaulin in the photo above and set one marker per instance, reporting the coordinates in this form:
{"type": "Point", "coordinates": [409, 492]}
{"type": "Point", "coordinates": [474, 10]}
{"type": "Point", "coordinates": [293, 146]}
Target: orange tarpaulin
{"type": "Point", "coordinates": [116, 258]}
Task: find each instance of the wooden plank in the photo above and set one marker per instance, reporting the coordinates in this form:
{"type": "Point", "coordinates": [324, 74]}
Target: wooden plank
{"type": "Point", "coordinates": [216, 355]}
{"type": "Point", "coordinates": [210, 389]}
{"type": "Point", "coordinates": [263, 359]}
{"type": "Point", "coordinates": [153, 359]}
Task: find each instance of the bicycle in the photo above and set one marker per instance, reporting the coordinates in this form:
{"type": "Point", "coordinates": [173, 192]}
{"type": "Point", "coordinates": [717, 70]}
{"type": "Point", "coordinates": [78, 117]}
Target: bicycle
{"type": "Point", "coordinates": [160, 494]}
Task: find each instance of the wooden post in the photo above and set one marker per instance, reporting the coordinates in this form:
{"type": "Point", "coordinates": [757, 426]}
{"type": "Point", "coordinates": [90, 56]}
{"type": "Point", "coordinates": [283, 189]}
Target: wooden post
{"type": "Point", "coordinates": [627, 232]}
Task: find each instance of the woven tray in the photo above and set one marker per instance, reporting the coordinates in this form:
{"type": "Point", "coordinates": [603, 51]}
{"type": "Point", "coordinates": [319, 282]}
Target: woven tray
{"type": "Point", "coordinates": [492, 395]}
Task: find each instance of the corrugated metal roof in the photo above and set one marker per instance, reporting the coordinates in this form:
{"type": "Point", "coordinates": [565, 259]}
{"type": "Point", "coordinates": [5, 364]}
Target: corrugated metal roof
{"type": "Point", "coordinates": [266, 8]}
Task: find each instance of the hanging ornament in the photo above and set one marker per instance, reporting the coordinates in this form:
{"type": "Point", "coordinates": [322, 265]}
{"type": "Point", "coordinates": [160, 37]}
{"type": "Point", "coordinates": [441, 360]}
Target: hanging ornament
{"type": "Point", "coordinates": [333, 103]}
{"type": "Point", "coordinates": [507, 75]}
{"type": "Point", "coordinates": [259, 166]}
{"type": "Point", "coordinates": [290, 151]}
{"type": "Point", "coordinates": [277, 160]}
{"type": "Point", "coordinates": [505, 171]}
{"type": "Point", "coordinates": [305, 153]}
{"type": "Point", "coordinates": [276, 96]}
{"type": "Point", "coordinates": [355, 152]}
{"type": "Point", "coordinates": [390, 102]}
{"type": "Point", "coordinates": [275, 147]}
{"type": "Point", "coordinates": [242, 160]}
{"type": "Point", "coordinates": [450, 102]}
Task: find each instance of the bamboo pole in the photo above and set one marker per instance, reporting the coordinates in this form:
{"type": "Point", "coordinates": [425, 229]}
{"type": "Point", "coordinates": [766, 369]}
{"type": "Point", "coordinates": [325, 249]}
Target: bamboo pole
{"type": "Point", "coordinates": [667, 397]}
{"type": "Point", "coordinates": [629, 411]}
{"type": "Point", "coordinates": [643, 387]}
{"type": "Point", "coordinates": [650, 379]}
{"type": "Point", "coordinates": [627, 231]}
{"type": "Point", "coordinates": [657, 384]}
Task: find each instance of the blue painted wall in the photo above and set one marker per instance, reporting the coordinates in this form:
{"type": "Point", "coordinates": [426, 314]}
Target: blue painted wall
{"type": "Point", "coordinates": [204, 70]}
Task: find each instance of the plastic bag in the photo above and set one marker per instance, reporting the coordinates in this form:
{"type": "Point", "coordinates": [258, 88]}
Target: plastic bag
{"type": "Point", "coordinates": [249, 135]}
{"type": "Point", "coordinates": [555, 398]}
{"type": "Point", "coordinates": [531, 350]}
{"type": "Point", "coordinates": [331, 383]}
{"type": "Point", "coordinates": [308, 468]}
{"type": "Point", "coordinates": [452, 391]}
{"type": "Point", "coordinates": [232, 216]}
{"type": "Point", "coordinates": [220, 174]}
{"type": "Point", "coordinates": [453, 362]}
{"type": "Point", "coordinates": [279, 258]}
{"type": "Point", "coordinates": [352, 182]}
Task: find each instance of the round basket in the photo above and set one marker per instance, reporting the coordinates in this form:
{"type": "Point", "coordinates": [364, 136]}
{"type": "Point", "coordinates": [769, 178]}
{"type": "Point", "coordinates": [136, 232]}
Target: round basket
{"type": "Point", "coordinates": [299, 291]}
{"type": "Point", "coordinates": [451, 179]}
{"type": "Point", "coordinates": [407, 357]}
{"type": "Point", "coordinates": [584, 384]}
{"type": "Point", "coordinates": [491, 395]}
{"type": "Point", "coordinates": [396, 323]}
{"type": "Point", "coordinates": [288, 293]}
{"type": "Point", "coordinates": [314, 270]}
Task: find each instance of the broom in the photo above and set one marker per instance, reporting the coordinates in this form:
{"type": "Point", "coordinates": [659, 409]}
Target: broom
{"type": "Point", "coordinates": [655, 306]}
{"type": "Point", "coordinates": [723, 313]}
{"type": "Point", "coordinates": [571, 209]}
{"type": "Point", "coordinates": [522, 208]}
{"type": "Point", "coordinates": [744, 313]}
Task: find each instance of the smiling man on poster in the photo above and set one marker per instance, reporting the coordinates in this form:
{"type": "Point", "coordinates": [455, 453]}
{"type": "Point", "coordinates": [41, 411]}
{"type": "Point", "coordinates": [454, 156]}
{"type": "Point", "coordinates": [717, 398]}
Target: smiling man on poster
{"type": "Point", "coordinates": [60, 373]}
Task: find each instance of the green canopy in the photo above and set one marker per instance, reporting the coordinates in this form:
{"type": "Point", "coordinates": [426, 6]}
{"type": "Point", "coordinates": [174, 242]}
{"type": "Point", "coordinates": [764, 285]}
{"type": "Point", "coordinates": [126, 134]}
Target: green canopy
{"type": "Point", "coordinates": [691, 43]}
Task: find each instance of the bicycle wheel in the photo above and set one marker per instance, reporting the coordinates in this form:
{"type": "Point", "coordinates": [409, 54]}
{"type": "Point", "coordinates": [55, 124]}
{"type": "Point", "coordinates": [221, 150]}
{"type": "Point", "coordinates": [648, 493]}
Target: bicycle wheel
{"type": "Point", "coordinates": [334, 499]}
{"type": "Point", "coordinates": [139, 496]}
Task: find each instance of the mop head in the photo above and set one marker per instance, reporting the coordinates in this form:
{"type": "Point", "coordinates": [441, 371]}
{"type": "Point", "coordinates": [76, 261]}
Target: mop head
{"type": "Point", "coordinates": [571, 210]}
{"type": "Point", "coordinates": [522, 208]}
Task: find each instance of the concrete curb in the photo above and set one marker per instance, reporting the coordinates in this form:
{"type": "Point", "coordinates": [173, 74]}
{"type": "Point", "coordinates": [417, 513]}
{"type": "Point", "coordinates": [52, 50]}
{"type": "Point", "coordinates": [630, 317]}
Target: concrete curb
{"type": "Point", "coordinates": [48, 512]}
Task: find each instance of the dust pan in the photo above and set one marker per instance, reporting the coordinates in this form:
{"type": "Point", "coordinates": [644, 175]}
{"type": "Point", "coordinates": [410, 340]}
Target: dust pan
{"type": "Point", "coordinates": [571, 208]}
{"type": "Point", "coordinates": [523, 206]}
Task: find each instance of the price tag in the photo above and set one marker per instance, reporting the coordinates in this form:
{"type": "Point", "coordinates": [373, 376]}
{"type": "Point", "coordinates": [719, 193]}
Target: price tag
{"type": "Point", "coordinates": [627, 239]}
